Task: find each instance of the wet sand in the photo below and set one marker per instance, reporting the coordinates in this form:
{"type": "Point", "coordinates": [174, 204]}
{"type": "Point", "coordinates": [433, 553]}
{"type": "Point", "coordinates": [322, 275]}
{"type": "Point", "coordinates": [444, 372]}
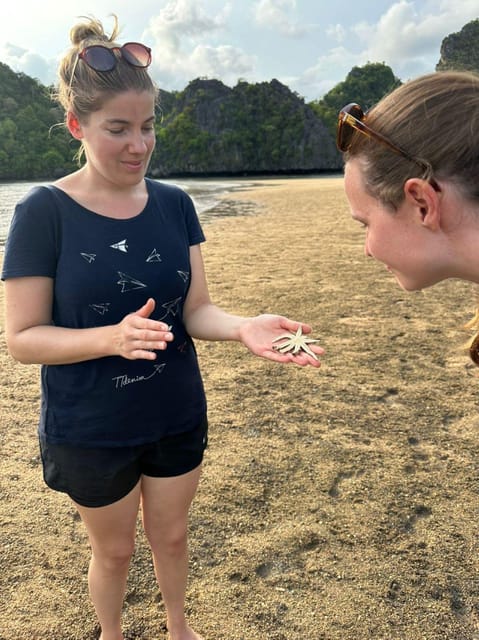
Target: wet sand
{"type": "Point", "coordinates": [335, 504]}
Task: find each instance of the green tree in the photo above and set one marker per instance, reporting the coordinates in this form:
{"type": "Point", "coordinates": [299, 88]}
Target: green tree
{"type": "Point", "coordinates": [27, 115]}
{"type": "Point", "coordinates": [365, 85]}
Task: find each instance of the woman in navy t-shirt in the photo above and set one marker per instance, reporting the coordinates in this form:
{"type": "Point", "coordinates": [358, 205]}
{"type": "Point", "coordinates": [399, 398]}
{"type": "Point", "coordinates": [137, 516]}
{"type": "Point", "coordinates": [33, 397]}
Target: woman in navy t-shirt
{"type": "Point", "coordinates": [105, 288]}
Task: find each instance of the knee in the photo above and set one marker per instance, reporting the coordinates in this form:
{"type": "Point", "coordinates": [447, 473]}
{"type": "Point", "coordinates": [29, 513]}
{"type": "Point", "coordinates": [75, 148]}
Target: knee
{"type": "Point", "coordinates": [176, 541]}
{"type": "Point", "coordinates": [114, 557]}
{"type": "Point", "coordinates": [171, 542]}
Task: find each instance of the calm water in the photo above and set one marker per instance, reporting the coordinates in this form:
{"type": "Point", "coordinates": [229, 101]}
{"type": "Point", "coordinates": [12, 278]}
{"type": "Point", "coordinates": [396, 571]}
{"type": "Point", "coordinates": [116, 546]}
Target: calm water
{"type": "Point", "coordinates": [205, 193]}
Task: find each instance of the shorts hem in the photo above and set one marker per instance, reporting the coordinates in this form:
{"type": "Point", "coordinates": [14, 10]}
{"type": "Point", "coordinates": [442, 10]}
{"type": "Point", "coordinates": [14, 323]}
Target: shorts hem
{"type": "Point", "coordinates": [107, 501]}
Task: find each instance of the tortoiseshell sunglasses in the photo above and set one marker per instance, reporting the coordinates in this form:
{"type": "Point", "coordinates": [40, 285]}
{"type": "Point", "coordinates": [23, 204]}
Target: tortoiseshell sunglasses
{"type": "Point", "coordinates": [351, 119]}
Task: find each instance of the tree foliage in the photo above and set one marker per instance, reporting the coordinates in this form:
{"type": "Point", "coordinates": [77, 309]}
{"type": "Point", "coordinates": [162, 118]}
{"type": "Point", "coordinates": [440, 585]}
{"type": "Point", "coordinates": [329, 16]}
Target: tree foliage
{"type": "Point", "coordinates": [30, 145]}
{"type": "Point", "coordinates": [365, 85]}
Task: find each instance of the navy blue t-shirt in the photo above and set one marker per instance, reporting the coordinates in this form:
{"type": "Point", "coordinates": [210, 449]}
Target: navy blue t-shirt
{"type": "Point", "coordinates": [104, 268]}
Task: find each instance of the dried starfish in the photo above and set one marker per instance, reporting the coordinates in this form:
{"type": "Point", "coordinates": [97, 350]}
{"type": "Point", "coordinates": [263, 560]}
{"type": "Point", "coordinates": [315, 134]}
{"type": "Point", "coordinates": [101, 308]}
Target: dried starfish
{"type": "Point", "coordinates": [295, 342]}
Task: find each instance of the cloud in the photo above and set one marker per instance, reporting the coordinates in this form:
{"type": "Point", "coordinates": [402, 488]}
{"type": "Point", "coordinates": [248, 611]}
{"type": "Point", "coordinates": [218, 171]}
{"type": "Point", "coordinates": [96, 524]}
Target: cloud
{"type": "Point", "coordinates": [407, 37]}
{"type": "Point", "coordinates": [178, 33]}
{"type": "Point", "coordinates": [185, 18]}
{"type": "Point", "coordinates": [336, 32]}
{"type": "Point", "coordinates": [23, 61]}
{"type": "Point", "coordinates": [276, 14]}
{"type": "Point", "coordinates": [400, 34]}
{"type": "Point", "coordinates": [318, 79]}
{"type": "Point", "coordinates": [255, 40]}
{"type": "Point", "coordinates": [223, 61]}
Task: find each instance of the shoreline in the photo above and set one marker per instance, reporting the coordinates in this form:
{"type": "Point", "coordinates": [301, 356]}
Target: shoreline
{"type": "Point", "coordinates": [208, 194]}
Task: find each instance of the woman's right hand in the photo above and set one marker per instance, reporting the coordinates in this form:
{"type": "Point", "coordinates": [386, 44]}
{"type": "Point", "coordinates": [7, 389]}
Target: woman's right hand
{"type": "Point", "coordinates": [137, 336]}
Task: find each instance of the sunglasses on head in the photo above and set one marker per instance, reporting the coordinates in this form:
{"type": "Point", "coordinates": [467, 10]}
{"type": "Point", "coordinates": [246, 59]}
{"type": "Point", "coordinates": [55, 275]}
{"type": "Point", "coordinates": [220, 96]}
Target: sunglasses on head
{"type": "Point", "coordinates": [101, 58]}
{"type": "Point", "coordinates": [351, 119]}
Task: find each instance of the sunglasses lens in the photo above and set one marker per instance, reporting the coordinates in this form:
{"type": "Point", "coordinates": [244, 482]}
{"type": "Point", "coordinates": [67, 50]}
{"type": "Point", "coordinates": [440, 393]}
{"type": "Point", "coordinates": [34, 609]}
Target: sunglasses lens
{"type": "Point", "coordinates": [99, 58]}
{"type": "Point", "coordinates": [346, 128]}
{"type": "Point", "coordinates": [136, 54]}
{"type": "Point", "coordinates": [343, 134]}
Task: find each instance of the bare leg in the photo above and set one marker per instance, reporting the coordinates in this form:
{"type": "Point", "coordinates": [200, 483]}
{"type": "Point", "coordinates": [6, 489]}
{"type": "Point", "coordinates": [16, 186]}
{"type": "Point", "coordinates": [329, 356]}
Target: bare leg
{"type": "Point", "coordinates": [111, 531]}
{"type": "Point", "coordinates": [165, 506]}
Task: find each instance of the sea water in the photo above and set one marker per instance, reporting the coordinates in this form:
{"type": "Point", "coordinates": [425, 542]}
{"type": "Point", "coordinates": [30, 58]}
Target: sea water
{"type": "Point", "coordinates": [206, 194]}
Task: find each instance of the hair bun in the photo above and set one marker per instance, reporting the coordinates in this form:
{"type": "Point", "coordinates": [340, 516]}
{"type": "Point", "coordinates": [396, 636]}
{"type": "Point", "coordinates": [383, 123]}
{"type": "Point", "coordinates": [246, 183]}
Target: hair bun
{"type": "Point", "coordinates": [92, 29]}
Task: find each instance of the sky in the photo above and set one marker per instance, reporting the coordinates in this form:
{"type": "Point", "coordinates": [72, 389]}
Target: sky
{"type": "Point", "coordinates": [308, 45]}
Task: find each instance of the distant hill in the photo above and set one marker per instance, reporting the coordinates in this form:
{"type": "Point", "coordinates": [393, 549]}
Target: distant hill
{"type": "Point", "coordinates": [209, 128]}
{"type": "Point", "coordinates": [252, 128]}
{"type": "Point", "coordinates": [460, 51]}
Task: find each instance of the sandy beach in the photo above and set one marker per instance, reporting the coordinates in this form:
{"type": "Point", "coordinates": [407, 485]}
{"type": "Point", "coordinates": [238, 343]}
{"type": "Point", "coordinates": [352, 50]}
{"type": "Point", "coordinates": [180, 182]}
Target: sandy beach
{"type": "Point", "coordinates": [335, 504]}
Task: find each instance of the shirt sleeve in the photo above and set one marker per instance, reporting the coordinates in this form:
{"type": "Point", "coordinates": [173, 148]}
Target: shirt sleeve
{"type": "Point", "coordinates": [175, 203]}
{"type": "Point", "coordinates": [195, 231]}
{"type": "Point", "coordinates": [31, 247]}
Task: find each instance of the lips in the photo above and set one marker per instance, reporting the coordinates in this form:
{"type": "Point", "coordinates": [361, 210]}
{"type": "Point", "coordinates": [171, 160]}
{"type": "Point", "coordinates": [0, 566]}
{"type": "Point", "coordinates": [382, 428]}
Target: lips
{"type": "Point", "coordinates": [133, 164]}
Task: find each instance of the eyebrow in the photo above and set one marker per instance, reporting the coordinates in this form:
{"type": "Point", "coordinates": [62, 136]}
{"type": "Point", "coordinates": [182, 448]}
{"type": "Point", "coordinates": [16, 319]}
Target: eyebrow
{"type": "Point", "coordinates": [120, 121]}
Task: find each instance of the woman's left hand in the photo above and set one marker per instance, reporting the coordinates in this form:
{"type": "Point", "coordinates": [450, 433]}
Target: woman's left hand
{"type": "Point", "coordinates": [258, 333]}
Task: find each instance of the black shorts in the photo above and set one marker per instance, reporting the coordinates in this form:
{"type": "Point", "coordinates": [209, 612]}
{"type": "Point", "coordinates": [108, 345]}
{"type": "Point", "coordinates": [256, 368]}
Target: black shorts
{"type": "Point", "coordinates": [98, 477]}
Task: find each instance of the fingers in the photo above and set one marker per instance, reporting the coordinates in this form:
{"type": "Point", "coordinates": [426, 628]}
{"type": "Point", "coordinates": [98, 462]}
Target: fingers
{"type": "Point", "coordinates": [147, 309]}
{"type": "Point", "coordinates": [140, 336]}
{"type": "Point", "coordinates": [301, 359]}
{"type": "Point", "coordinates": [293, 325]}
{"type": "Point", "coordinates": [144, 342]}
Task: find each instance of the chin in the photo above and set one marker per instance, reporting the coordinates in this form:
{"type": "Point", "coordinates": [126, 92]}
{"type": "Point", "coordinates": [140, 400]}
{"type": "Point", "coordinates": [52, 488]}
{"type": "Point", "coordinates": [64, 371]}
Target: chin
{"type": "Point", "coordinates": [415, 285]}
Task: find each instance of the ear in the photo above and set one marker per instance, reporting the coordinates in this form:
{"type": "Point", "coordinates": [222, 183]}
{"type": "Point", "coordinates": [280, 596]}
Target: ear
{"type": "Point", "coordinates": [425, 199]}
{"type": "Point", "coordinates": [74, 126]}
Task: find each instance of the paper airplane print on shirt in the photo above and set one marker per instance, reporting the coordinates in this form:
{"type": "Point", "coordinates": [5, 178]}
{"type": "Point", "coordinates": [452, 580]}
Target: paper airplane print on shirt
{"type": "Point", "coordinates": [183, 347]}
{"type": "Point", "coordinates": [184, 275]}
{"type": "Point", "coordinates": [128, 283]}
{"type": "Point", "coordinates": [89, 257]}
{"type": "Point", "coordinates": [100, 308]}
{"type": "Point", "coordinates": [121, 246]}
{"type": "Point", "coordinates": [171, 308]}
{"type": "Point", "coordinates": [154, 256]}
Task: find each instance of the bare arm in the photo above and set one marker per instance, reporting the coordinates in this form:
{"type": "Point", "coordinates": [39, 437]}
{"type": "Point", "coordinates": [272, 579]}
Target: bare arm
{"type": "Point", "coordinates": [206, 321]}
{"type": "Point", "coordinates": [202, 318]}
{"type": "Point", "coordinates": [33, 339]}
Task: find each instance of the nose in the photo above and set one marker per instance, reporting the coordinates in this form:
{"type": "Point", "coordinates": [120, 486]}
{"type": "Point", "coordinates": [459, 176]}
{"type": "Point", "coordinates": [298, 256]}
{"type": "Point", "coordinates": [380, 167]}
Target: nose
{"type": "Point", "coordinates": [137, 143]}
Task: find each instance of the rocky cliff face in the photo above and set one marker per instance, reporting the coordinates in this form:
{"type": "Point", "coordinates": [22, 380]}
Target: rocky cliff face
{"type": "Point", "coordinates": [460, 51]}
{"type": "Point", "coordinates": [210, 128]}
